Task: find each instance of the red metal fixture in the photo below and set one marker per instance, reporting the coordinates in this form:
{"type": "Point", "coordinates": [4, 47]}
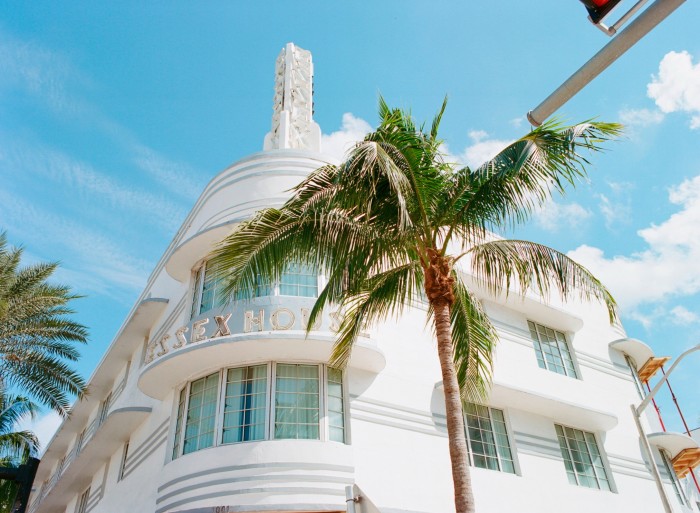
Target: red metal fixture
{"type": "Point", "coordinates": [599, 9]}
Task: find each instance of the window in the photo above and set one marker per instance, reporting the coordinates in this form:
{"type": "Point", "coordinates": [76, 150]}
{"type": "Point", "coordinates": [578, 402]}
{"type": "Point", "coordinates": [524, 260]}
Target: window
{"type": "Point", "coordinates": [552, 350]}
{"type": "Point", "coordinates": [297, 401]}
{"type": "Point", "coordinates": [104, 409]}
{"type": "Point", "coordinates": [635, 376]}
{"type": "Point", "coordinates": [81, 507]}
{"type": "Point", "coordinates": [673, 477]}
{"type": "Point", "coordinates": [582, 459]}
{"type": "Point", "coordinates": [122, 464]}
{"type": "Point", "coordinates": [336, 405]}
{"type": "Point", "coordinates": [245, 404]}
{"type": "Point", "coordinates": [179, 421]}
{"type": "Point", "coordinates": [299, 280]}
{"type": "Point", "coordinates": [487, 438]}
{"type": "Point", "coordinates": [260, 402]}
{"type": "Point", "coordinates": [208, 293]}
{"type": "Point", "coordinates": [201, 414]}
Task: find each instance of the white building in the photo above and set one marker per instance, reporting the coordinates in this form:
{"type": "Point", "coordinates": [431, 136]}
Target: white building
{"type": "Point", "coordinates": [200, 407]}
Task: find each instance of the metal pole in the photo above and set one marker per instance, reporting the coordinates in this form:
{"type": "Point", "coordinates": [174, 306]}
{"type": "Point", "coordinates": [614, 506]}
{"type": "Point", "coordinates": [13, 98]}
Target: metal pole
{"type": "Point", "coordinates": [350, 499]}
{"type": "Point", "coordinates": [624, 40]}
{"type": "Point", "coordinates": [652, 463]}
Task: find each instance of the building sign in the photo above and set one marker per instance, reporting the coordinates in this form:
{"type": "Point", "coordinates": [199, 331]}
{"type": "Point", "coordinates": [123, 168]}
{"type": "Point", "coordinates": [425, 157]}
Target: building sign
{"type": "Point", "coordinates": [242, 317]}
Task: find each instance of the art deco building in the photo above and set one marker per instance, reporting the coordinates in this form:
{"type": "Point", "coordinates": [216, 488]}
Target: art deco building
{"type": "Point", "coordinates": [201, 406]}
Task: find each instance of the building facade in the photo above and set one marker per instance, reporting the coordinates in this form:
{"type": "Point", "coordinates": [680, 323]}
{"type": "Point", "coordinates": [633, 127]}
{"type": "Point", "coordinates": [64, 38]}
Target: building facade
{"type": "Point", "coordinates": [201, 405]}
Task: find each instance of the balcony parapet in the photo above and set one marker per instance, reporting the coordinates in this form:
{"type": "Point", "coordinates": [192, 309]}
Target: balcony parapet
{"type": "Point", "coordinates": [645, 360]}
{"type": "Point", "coordinates": [683, 450]}
{"type": "Point", "coordinates": [102, 437]}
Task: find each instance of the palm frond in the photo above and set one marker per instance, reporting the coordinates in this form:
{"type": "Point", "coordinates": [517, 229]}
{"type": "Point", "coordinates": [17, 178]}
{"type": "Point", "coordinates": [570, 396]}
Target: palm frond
{"type": "Point", "coordinates": [503, 263]}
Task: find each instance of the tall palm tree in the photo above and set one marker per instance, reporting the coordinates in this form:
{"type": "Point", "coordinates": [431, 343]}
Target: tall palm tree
{"type": "Point", "coordinates": [395, 219]}
{"type": "Point", "coordinates": [36, 335]}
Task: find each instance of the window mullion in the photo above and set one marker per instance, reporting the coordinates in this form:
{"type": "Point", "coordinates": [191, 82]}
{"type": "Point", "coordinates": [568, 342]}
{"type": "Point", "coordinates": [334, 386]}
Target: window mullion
{"type": "Point", "coordinates": [271, 403]}
{"type": "Point", "coordinates": [324, 427]}
{"type": "Point", "coordinates": [183, 425]}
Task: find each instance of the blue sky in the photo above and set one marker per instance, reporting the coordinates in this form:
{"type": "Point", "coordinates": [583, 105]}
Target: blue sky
{"type": "Point", "coordinates": [114, 117]}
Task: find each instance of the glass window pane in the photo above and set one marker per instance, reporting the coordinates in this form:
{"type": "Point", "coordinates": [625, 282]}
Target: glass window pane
{"type": "Point", "coordinates": [297, 401]}
{"type": "Point", "coordinates": [487, 438]}
{"type": "Point", "coordinates": [582, 459]}
{"type": "Point", "coordinates": [551, 349]}
{"type": "Point", "coordinates": [201, 413]}
{"type": "Point", "coordinates": [245, 404]}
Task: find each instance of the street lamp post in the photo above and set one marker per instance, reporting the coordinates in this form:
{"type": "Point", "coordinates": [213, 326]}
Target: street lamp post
{"type": "Point", "coordinates": [637, 412]}
{"type": "Point", "coordinates": [624, 40]}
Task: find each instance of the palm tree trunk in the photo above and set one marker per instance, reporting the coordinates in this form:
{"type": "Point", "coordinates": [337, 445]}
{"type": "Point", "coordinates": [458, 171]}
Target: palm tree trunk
{"type": "Point", "coordinates": [459, 456]}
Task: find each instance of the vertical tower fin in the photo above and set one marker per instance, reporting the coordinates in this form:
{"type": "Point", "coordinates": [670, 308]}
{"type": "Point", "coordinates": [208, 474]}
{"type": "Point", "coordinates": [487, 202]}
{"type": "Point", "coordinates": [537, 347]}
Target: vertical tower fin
{"type": "Point", "coordinates": [293, 103]}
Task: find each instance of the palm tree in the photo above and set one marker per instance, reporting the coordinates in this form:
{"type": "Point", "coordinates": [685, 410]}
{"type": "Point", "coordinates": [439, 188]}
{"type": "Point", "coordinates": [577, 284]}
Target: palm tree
{"type": "Point", "coordinates": [36, 335]}
{"type": "Point", "coordinates": [395, 219]}
{"type": "Point", "coordinates": [15, 446]}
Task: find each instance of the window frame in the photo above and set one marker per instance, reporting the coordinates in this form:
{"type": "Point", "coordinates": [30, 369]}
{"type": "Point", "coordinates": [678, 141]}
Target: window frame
{"type": "Point", "coordinates": [635, 376]}
{"type": "Point", "coordinates": [506, 423]}
{"type": "Point", "coordinates": [574, 372]}
{"type": "Point", "coordinates": [673, 477]}
{"type": "Point", "coordinates": [599, 448]}
{"type": "Point", "coordinates": [83, 500]}
{"type": "Point", "coordinates": [177, 442]}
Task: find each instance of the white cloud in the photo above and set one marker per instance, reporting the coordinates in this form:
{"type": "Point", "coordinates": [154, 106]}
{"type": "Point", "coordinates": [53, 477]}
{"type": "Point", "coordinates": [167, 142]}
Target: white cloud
{"type": "Point", "coordinates": [553, 216]}
{"type": "Point", "coordinates": [677, 86]}
{"type": "Point", "coordinates": [43, 426]}
{"type": "Point", "coordinates": [683, 316]}
{"type": "Point", "coordinates": [352, 130]}
{"type": "Point", "coordinates": [641, 117]}
{"type": "Point", "coordinates": [667, 268]}
{"type": "Point", "coordinates": [481, 149]}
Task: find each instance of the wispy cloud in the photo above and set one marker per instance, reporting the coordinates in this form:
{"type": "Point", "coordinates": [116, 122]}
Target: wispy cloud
{"type": "Point", "coordinates": [640, 117]}
{"type": "Point", "coordinates": [176, 177]}
{"type": "Point", "coordinates": [553, 216]}
{"type": "Point", "coordinates": [82, 181]}
{"type": "Point", "coordinates": [97, 257]}
{"type": "Point", "coordinates": [616, 207]}
{"type": "Point", "coordinates": [44, 74]}
{"type": "Point", "coordinates": [682, 316]}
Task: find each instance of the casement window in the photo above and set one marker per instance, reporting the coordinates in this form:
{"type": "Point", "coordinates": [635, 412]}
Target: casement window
{"type": "Point", "coordinates": [81, 507]}
{"type": "Point", "coordinates": [487, 438]}
{"type": "Point", "coordinates": [245, 404]}
{"type": "Point", "coordinates": [552, 350]}
{"type": "Point", "coordinates": [635, 377]}
{"type": "Point", "coordinates": [208, 292]}
{"type": "Point", "coordinates": [122, 463]}
{"type": "Point", "coordinates": [582, 458]}
{"type": "Point", "coordinates": [260, 402]}
{"type": "Point", "coordinates": [673, 477]}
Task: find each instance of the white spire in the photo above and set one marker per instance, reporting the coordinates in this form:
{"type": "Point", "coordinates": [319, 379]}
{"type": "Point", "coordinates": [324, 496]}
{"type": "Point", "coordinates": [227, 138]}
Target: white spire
{"type": "Point", "coordinates": [292, 119]}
